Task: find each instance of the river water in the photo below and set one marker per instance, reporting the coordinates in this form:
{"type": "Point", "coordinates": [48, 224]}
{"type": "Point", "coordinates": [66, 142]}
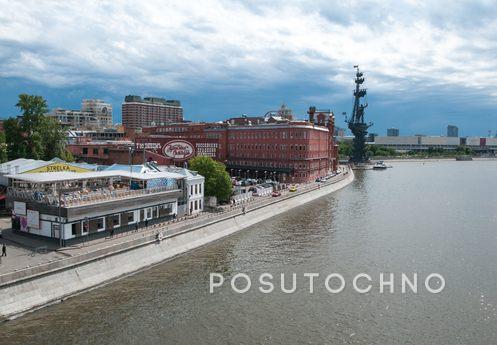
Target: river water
{"type": "Point", "coordinates": [415, 218]}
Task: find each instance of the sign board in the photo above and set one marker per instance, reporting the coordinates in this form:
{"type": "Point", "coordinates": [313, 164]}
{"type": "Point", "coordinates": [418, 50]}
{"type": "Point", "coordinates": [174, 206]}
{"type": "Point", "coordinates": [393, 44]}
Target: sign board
{"type": "Point", "coordinates": [33, 219]}
{"type": "Point", "coordinates": [178, 149]}
{"type": "Point", "coordinates": [24, 223]}
{"type": "Point", "coordinates": [159, 182]}
{"type": "Point", "coordinates": [57, 167]}
{"type": "Point", "coordinates": [19, 208]}
{"type": "Point", "coordinates": [207, 149]}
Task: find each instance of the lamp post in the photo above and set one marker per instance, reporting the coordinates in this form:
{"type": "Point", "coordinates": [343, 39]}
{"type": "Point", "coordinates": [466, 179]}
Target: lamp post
{"type": "Point", "coordinates": [130, 166]}
{"type": "Point", "coordinates": [59, 217]}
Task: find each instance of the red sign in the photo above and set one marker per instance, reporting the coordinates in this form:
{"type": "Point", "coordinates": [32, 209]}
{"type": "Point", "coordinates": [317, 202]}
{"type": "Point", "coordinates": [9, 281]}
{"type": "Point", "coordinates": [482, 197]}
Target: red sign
{"type": "Point", "coordinates": [178, 149]}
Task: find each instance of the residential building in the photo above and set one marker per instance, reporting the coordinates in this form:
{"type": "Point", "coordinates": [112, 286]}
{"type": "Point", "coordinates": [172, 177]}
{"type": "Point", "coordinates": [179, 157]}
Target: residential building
{"type": "Point", "coordinates": [101, 110]}
{"type": "Point", "coordinates": [452, 131]}
{"type": "Point", "coordinates": [149, 111]}
{"type": "Point", "coordinates": [392, 132]}
{"type": "Point", "coordinates": [94, 114]}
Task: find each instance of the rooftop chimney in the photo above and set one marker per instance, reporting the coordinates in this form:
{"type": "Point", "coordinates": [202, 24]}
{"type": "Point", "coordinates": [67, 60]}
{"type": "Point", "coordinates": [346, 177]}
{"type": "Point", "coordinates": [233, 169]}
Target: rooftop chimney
{"type": "Point", "coordinates": [311, 112]}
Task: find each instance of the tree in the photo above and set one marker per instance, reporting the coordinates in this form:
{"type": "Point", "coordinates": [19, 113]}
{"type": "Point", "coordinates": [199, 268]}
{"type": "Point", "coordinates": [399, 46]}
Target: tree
{"type": "Point", "coordinates": [3, 148]}
{"type": "Point", "coordinates": [217, 180]}
{"type": "Point", "coordinates": [34, 135]}
{"type": "Point", "coordinates": [344, 148]}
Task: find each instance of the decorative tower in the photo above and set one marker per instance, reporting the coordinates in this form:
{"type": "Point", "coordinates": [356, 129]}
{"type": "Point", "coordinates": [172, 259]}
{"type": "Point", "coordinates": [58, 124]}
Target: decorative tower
{"type": "Point", "coordinates": [356, 122]}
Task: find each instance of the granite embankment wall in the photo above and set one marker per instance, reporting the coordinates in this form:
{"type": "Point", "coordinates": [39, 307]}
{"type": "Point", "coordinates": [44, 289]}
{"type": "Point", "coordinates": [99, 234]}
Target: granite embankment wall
{"type": "Point", "coordinates": [22, 292]}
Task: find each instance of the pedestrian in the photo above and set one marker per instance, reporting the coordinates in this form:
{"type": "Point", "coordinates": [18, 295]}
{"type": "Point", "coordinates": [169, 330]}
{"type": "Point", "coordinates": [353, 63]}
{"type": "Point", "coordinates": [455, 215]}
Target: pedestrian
{"type": "Point", "coordinates": [146, 223]}
{"type": "Point", "coordinates": [4, 250]}
{"type": "Point", "coordinates": [136, 226]}
{"type": "Point", "coordinates": [243, 209]}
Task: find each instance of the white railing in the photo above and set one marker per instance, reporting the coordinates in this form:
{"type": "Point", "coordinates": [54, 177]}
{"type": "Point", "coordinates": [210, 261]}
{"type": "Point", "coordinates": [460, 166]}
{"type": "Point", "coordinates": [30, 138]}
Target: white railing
{"type": "Point", "coordinates": [79, 198]}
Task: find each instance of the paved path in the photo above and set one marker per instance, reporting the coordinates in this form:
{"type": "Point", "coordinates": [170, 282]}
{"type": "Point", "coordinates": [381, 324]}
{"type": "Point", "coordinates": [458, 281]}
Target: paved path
{"type": "Point", "coordinates": [25, 251]}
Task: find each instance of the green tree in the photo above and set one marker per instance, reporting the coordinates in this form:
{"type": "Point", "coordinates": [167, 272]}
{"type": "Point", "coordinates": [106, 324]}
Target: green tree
{"type": "Point", "coordinates": [54, 139]}
{"type": "Point", "coordinates": [3, 148]}
{"type": "Point", "coordinates": [217, 180]}
{"type": "Point", "coordinates": [345, 148]}
{"type": "Point", "coordinates": [67, 156]}
{"type": "Point", "coordinates": [14, 138]}
{"type": "Point", "coordinates": [34, 135]}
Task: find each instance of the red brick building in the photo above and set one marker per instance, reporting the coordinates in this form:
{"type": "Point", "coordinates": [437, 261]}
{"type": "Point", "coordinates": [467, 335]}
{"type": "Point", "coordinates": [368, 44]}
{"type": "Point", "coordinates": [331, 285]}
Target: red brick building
{"type": "Point", "coordinates": [138, 112]}
{"type": "Point", "coordinates": [259, 147]}
{"type": "Point", "coordinates": [289, 151]}
{"type": "Point", "coordinates": [110, 152]}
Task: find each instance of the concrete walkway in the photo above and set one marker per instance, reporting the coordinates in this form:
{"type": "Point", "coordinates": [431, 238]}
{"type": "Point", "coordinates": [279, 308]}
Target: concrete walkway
{"type": "Point", "coordinates": [26, 252]}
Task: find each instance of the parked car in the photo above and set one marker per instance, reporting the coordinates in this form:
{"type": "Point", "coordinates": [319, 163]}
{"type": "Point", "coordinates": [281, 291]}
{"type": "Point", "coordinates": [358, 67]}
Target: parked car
{"type": "Point", "coordinates": [276, 193]}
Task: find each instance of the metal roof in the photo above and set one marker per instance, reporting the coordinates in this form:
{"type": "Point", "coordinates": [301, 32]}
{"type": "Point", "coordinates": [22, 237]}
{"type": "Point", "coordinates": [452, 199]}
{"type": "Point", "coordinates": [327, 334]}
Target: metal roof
{"type": "Point", "coordinates": [71, 176]}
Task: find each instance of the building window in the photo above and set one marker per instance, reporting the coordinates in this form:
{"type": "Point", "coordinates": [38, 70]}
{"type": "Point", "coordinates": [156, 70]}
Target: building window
{"type": "Point", "coordinates": [75, 228]}
{"type": "Point", "coordinates": [115, 221]}
{"type": "Point", "coordinates": [95, 151]}
{"type": "Point", "coordinates": [130, 217]}
{"type": "Point", "coordinates": [165, 209]}
{"type": "Point", "coordinates": [196, 189]}
{"type": "Point", "coordinates": [85, 150]}
{"type": "Point", "coordinates": [106, 151]}
{"type": "Point", "coordinates": [100, 224]}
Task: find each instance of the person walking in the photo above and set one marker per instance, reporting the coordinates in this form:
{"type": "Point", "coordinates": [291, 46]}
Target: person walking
{"type": "Point", "coordinates": [136, 226]}
{"type": "Point", "coordinates": [146, 223]}
{"type": "Point", "coordinates": [4, 250]}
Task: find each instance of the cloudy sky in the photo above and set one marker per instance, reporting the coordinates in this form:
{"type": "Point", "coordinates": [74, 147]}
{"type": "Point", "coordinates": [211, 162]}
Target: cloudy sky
{"type": "Point", "coordinates": [427, 63]}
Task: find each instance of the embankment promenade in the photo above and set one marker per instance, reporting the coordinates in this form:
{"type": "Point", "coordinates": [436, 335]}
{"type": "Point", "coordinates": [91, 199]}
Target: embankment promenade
{"type": "Point", "coordinates": [85, 267]}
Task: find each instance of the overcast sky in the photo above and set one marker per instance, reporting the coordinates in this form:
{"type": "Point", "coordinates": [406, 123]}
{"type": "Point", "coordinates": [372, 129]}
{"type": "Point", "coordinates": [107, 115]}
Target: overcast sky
{"type": "Point", "coordinates": [427, 63]}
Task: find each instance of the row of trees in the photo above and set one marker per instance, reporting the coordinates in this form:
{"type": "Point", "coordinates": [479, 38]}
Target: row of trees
{"type": "Point", "coordinates": [33, 135]}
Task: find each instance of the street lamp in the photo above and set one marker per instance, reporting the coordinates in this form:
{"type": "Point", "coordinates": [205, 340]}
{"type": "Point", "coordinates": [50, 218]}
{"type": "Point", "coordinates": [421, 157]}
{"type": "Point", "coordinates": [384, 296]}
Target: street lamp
{"type": "Point", "coordinates": [130, 166]}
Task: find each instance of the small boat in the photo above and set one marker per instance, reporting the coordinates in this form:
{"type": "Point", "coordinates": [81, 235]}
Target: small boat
{"type": "Point", "coordinates": [380, 165]}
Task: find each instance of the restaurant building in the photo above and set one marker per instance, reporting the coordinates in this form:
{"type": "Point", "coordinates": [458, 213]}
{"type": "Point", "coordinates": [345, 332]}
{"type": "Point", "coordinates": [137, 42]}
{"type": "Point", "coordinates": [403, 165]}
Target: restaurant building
{"type": "Point", "coordinates": [72, 207]}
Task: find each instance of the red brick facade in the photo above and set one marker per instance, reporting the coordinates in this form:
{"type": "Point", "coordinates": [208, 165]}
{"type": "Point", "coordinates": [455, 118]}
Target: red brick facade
{"type": "Point", "coordinates": [295, 151]}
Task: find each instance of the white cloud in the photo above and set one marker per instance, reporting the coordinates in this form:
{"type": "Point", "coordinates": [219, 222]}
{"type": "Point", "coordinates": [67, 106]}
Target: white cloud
{"type": "Point", "coordinates": [188, 45]}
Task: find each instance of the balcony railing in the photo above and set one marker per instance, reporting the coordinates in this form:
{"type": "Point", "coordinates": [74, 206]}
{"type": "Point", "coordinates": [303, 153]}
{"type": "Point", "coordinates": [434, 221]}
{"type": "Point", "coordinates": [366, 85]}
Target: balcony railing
{"type": "Point", "coordinates": [79, 198]}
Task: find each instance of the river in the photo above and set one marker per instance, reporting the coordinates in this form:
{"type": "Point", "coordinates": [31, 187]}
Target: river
{"type": "Point", "coordinates": [415, 218]}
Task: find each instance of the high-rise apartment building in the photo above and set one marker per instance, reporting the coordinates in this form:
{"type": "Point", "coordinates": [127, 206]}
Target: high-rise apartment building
{"type": "Point", "coordinates": [392, 132]}
{"type": "Point", "coordinates": [101, 110]}
{"type": "Point", "coordinates": [94, 114]}
{"type": "Point", "coordinates": [138, 112]}
{"type": "Point", "coordinates": [452, 131]}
